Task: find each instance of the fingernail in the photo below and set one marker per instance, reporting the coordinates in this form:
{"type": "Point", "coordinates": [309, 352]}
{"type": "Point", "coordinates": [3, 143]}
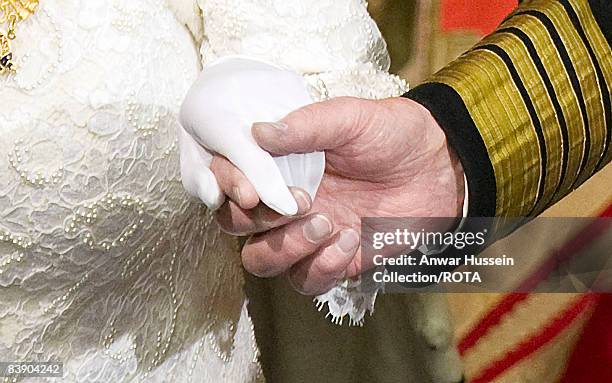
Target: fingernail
{"type": "Point", "coordinates": [236, 192]}
{"type": "Point", "coordinates": [348, 241]}
{"type": "Point", "coordinates": [303, 201]}
{"type": "Point", "coordinates": [317, 229]}
{"type": "Point", "coordinates": [274, 126]}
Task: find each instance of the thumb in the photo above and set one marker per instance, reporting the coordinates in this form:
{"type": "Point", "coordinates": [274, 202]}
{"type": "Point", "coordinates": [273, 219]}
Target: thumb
{"type": "Point", "coordinates": [322, 126]}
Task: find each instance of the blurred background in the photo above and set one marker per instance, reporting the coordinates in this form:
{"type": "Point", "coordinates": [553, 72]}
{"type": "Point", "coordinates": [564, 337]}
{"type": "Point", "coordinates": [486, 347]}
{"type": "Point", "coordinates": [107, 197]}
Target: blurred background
{"type": "Point", "coordinates": [424, 35]}
{"type": "Point", "coordinates": [512, 338]}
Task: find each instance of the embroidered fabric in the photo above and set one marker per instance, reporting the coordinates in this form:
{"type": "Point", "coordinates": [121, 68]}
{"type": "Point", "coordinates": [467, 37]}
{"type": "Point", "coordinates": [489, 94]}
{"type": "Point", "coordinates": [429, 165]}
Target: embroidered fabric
{"type": "Point", "coordinates": [105, 263]}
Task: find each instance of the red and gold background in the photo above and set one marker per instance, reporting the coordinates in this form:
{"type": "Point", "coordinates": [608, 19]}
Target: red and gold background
{"type": "Point", "coordinates": [511, 338]}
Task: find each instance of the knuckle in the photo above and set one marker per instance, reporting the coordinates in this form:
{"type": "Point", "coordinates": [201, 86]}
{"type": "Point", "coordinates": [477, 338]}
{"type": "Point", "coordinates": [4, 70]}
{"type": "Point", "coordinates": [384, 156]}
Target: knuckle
{"type": "Point", "coordinates": [293, 252]}
{"type": "Point", "coordinates": [264, 219]}
{"type": "Point", "coordinates": [348, 103]}
{"type": "Point", "coordinates": [266, 256]}
{"type": "Point", "coordinates": [253, 264]}
{"type": "Point", "coordinates": [295, 246]}
{"type": "Point", "coordinates": [307, 114]}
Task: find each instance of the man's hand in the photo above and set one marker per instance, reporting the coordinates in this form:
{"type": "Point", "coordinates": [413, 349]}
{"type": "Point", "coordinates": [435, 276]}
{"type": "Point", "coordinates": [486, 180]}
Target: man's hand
{"type": "Point", "coordinates": [385, 158]}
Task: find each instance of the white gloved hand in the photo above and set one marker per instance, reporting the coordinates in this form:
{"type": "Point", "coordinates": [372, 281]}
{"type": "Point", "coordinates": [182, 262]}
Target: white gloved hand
{"type": "Point", "coordinates": [216, 117]}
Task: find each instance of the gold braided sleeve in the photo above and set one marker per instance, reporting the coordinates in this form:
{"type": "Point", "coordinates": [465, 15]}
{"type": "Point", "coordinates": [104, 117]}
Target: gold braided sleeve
{"type": "Point", "coordinates": [528, 108]}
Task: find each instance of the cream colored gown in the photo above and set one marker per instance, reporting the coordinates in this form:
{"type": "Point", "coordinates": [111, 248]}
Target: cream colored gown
{"type": "Point", "coordinates": [105, 264]}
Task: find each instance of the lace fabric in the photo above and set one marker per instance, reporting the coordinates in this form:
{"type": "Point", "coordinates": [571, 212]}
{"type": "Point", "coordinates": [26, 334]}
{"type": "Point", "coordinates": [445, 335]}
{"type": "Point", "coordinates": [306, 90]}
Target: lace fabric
{"type": "Point", "coordinates": [309, 36]}
{"type": "Point", "coordinates": [105, 263]}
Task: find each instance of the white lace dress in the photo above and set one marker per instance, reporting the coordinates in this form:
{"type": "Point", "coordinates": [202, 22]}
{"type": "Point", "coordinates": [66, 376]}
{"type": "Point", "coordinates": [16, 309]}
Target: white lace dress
{"type": "Point", "coordinates": [105, 263]}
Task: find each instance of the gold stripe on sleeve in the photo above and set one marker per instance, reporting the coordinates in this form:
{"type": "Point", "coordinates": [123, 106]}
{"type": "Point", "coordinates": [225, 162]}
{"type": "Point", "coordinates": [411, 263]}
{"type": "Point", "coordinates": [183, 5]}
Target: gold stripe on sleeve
{"type": "Point", "coordinates": [499, 114]}
{"type": "Point", "coordinates": [563, 91]}
{"type": "Point", "coordinates": [601, 50]}
{"type": "Point", "coordinates": [547, 119]}
{"type": "Point", "coordinates": [589, 85]}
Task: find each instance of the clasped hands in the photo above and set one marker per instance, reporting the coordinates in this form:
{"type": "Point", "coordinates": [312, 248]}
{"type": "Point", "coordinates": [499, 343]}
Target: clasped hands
{"type": "Point", "coordinates": [386, 158]}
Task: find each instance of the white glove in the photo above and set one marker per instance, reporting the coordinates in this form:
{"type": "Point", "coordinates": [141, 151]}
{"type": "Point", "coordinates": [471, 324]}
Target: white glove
{"type": "Point", "coordinates": [217, 114]}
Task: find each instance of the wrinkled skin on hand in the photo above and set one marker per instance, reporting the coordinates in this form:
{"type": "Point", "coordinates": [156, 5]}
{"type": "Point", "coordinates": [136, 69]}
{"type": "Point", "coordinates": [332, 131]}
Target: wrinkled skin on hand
{"type": "Point", "coordinates": [385, 158]}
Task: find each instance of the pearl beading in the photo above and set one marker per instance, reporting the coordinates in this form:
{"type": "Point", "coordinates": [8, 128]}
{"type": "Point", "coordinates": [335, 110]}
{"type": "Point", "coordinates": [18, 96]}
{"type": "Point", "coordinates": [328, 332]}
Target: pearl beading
{"type": "Point", "coordinates": [21, 243]}
{"type": "Point", "coordinates": [128, 19]}
{"type": "Point", "coordinates": [46, 73]}
{"type": "Point", "coordinates": [55, 303]}
{"type": "Point", "coordinates": [17, 160]}
{"type": "Point", "coordinates": [175, 246]}
{"type": "Point", "coordinates": [89, 214]}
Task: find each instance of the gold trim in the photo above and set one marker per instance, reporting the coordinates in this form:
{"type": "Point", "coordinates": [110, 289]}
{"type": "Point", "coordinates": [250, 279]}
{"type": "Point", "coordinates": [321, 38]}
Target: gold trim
{"type": "Point", "coordinates": [12, 12]}
{"type": "Point", "coordinates": [544, 109]}
{"type": "Point", "coordinates": [513, 145]}
{"type": "Point", "coordinates": [585, 69]}
{"type": "Point", "coordinates": [564, 92]}
{"type": "Point", "coordinates": [600, 46]}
